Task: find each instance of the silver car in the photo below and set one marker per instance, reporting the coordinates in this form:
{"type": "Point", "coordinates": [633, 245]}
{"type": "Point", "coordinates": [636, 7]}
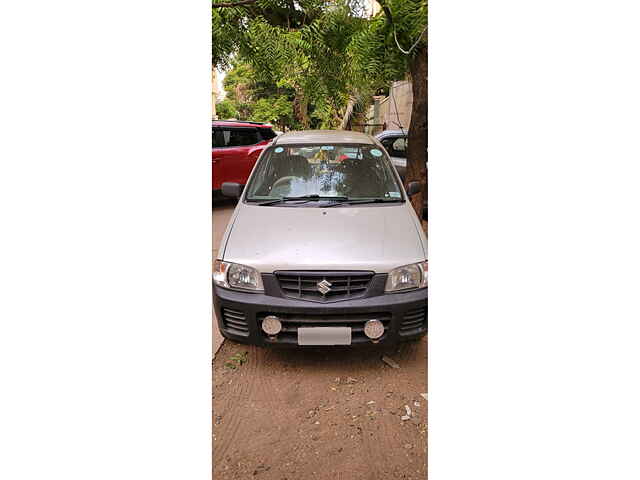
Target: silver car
{"type": "Point", "coordinates": [395, 143]}
{"type": "Point", "coordinates": [323, 248]}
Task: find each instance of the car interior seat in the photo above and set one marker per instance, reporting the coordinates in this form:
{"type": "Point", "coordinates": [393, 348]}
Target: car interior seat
{"type": "Point", "coordinates": [294, 165]}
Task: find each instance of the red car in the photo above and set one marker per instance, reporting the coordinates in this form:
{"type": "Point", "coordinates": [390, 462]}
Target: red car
{"type": "Point", "coordinates": [236, 147]}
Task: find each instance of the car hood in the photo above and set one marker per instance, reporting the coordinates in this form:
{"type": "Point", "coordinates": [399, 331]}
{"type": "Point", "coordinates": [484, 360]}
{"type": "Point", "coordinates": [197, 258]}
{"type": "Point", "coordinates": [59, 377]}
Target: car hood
{"type": "Point", "coordinates": [377, 238]}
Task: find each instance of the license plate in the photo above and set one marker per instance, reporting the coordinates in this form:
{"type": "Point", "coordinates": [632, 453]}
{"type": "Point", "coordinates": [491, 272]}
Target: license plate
{"type": "Point", "coordinates": [324, 335]}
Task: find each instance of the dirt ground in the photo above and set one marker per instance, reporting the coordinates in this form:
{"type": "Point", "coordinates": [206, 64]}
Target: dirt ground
{"type": "Point", "coordinates": [331, 413]}
{"type": "Point", "coordinates": [323, 413]}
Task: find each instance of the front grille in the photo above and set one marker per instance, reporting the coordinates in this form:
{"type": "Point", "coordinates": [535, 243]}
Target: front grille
{"type": "Point", "coordinates": [414, 321]}
{"type": "Point", "coordinates": [235, 321]}
{"type": "Point", "coordinates": [305, 285]}
{"type": "Point", "coordinates": [291, 322]}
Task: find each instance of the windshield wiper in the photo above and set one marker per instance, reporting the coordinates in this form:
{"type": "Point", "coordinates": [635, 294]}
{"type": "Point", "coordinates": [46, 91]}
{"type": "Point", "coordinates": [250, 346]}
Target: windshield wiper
{"type": "Point", "coordinates": [303, 198]}
{"type": "Point", "coordinates": [349, 201]}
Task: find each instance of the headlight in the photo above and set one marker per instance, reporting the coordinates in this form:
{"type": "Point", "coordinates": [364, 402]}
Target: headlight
{"type": "Point", "coordinates": [234, 275]}
{"type": "Point", "coordinates": [408, 277]}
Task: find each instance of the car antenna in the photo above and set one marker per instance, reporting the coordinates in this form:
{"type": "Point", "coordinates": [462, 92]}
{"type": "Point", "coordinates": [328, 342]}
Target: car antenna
{"type": "Point", "coordinates": [393, 97]}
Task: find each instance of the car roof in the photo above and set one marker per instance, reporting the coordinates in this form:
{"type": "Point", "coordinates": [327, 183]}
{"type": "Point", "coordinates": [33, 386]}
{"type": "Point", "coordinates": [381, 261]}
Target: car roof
{"type": "Point", "coordinates": [388, 133]}
{"type": "Point", "coordinates": [239, 123]}
{"type": "Point", "coordinates": [323, 136]}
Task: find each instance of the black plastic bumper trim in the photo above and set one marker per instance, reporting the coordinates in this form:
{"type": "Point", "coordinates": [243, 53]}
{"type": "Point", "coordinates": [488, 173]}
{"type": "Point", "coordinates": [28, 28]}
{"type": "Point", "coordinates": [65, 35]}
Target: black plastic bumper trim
{"type": "Point", "coordinates": [397, 305]}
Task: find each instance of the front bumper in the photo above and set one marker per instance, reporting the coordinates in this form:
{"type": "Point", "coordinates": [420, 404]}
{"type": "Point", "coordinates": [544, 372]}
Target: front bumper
{"type": "Point", "coordinates": [240, 314]}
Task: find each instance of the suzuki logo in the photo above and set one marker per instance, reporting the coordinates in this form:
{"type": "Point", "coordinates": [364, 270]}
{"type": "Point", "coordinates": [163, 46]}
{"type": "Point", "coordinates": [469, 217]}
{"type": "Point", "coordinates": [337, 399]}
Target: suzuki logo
{"type": "Point", "coordinates": [324, 287]}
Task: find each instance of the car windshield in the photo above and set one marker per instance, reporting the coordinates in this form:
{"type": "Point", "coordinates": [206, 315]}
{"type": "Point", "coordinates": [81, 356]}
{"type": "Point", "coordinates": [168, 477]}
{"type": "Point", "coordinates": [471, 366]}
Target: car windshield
{"type": "Point", "coordinates": [323, 172]}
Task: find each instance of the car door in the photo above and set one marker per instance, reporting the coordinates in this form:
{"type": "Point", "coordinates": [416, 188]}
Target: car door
{"type": "Point", "coordinates": [234, 154]}
{"type": "Point", "coordinates": [220, 140]}
{"type": "Point", "coordinates": [396, 147]}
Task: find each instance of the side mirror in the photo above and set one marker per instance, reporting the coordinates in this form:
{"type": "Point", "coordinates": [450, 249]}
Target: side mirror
{"type": "Point", "coordinates": [231, 189]}
{"type": "Point", "coordinates": [412, 188]}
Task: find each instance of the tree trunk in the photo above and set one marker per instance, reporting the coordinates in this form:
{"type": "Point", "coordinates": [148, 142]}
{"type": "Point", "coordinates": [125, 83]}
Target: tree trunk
{"type": "Point", "coordinates": [347, 114]}
{"type": "Point", "coordinates": [300, 109]}
{"type": "Point", "coordinates": [417, 148]}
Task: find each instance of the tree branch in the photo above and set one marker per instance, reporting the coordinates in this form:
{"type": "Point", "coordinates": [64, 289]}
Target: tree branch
{"type": "Point", "coordinates": [233, 4]}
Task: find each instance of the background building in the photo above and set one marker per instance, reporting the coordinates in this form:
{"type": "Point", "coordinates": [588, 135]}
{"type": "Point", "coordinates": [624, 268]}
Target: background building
{"type": "Point", "coordinates": [392, 112]}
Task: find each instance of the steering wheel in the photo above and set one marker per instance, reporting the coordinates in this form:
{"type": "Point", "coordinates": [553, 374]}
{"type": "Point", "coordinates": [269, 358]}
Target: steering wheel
{"type": "Point", "coordinates": [282, 180]}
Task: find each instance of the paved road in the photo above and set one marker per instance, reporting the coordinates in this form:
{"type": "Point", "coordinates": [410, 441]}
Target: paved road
{"type": "Point", "coordinates": [326, 413]}
{"type": "Point", "coordinates": [221, 215]}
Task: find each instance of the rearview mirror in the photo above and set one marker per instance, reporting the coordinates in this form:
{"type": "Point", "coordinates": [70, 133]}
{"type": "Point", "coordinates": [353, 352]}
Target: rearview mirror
{"type": "Point", "coordinates": [412, 188]}
{"type": "Point", "coordinates": [231, 189]}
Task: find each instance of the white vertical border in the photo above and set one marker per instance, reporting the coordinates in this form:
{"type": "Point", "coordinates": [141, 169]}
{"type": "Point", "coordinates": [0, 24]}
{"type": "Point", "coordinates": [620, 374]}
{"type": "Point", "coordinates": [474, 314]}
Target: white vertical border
{"type": "Point", "coordinates": [534, 234]}
{"type": "Point", "coordinates": [105, 251]}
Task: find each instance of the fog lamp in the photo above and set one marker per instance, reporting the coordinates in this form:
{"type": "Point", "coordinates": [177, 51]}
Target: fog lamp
{"type": "Point", "coordinates": [271, 325]}
{"type": "Point", "coordinates": [374, 329]}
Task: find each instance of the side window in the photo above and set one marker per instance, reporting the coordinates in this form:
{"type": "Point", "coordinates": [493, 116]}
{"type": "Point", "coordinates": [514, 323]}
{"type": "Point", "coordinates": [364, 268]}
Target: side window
{"type": "Point", "coordinates": [399, 146]}
{"type": "Point", "coordinates": [266, 133]}
{"type": "Point", "coordinates": [386, 143]}
{"type": "Point", "coordinates": [395, 146]}
{"type": "Point", "coordinates": [220, 138]}
{"type": "Point", "coordinates": [242, 137]}
{"type": "Point", "coordinates": [228, 137]}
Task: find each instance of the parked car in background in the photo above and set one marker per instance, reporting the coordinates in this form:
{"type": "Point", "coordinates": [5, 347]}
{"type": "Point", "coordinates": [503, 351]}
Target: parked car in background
{"type": "Point", "coordinates": [395, 143]}
{"type": "Point", "coordinates": [236, 146]}
{"type": "Point", "coordinates": [323, 248]}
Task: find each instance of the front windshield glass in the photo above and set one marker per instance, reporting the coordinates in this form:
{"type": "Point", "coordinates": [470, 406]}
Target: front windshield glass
{"type": "Point", "coordinates": [352, 171]}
